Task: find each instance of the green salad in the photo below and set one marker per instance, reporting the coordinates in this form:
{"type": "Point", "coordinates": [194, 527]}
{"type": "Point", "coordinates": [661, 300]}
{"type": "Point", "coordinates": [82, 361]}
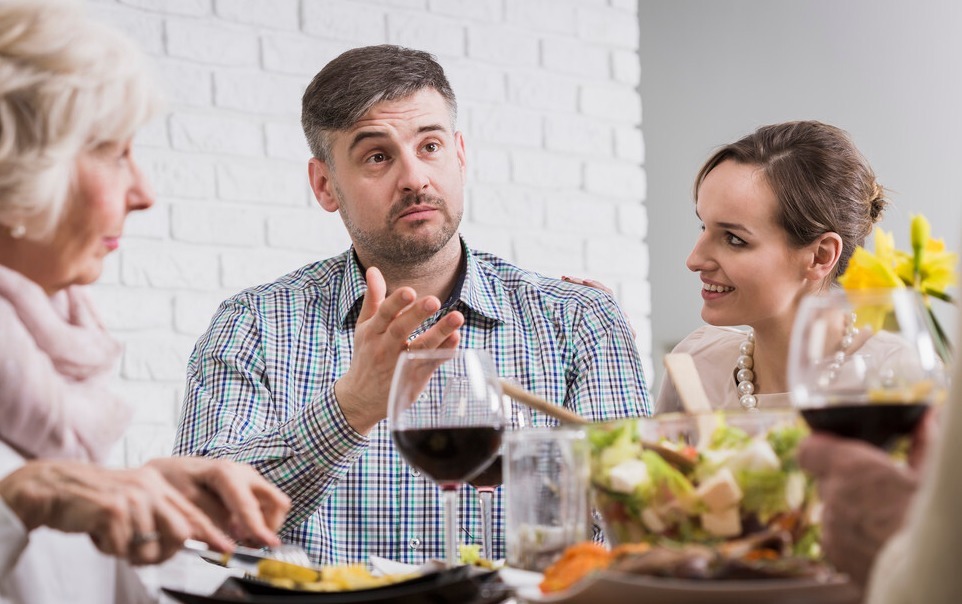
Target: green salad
{"type": "Point", "coordinates": [737, 485]}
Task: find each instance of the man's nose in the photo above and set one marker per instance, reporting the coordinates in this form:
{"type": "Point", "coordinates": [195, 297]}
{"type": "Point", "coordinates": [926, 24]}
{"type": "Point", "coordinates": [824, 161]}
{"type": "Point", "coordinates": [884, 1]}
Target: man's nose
{"type": "Point", "coordinates": [413, 177]}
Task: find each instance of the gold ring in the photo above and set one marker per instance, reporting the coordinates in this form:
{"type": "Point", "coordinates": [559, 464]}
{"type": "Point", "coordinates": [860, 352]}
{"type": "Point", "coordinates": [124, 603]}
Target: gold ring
{"type": "Point", "coordinates": [407, 346]}
{"type": "Point", "coordinates": [144, 538]}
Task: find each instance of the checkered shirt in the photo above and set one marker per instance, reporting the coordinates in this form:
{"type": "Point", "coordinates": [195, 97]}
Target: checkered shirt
{"type": "Point", "coordinates": [260, 390]}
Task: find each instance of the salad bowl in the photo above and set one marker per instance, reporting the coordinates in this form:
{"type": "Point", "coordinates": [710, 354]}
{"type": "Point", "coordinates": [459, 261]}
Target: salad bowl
{"type": "Point", "coordinates": [741, 508]}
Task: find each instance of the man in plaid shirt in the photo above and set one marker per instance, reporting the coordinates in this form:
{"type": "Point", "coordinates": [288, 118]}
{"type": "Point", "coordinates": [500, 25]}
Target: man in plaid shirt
{"type": "Point", "coordinates": [293, 376]}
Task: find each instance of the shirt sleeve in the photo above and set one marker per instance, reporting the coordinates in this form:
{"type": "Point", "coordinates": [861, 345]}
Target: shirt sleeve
{"type": "Point", "coordinates": [606, 380]}
{"type": "Point", "coordinates": [303, 447]}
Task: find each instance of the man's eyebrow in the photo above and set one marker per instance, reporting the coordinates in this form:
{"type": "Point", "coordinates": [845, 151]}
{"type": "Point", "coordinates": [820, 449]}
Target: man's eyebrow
{"type": "Point", "coordinates": [431, 128]}
{"type": "Point", "coordinates": [361, 136]}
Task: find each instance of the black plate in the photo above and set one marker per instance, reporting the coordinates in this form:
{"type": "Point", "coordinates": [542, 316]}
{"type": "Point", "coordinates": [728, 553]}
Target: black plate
{"type": "Point", "coordinates": [455, 586]}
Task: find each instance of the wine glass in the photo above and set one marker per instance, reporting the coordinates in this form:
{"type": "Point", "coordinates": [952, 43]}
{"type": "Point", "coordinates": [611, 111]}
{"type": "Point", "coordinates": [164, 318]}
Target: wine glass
{"type": "Point", "coordinates": [863, 364]}
{"type": "Point", "coordinates": [517, 417]}
{"type": "Point", "coordinates": [446, 419]}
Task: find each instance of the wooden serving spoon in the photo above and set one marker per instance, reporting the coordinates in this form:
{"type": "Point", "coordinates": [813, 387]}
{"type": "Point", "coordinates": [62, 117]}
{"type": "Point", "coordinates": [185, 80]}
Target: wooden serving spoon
{"type": "Point", "coordinates": [566, 416]}
{"type": "Point", "coordinates": [684, 375]}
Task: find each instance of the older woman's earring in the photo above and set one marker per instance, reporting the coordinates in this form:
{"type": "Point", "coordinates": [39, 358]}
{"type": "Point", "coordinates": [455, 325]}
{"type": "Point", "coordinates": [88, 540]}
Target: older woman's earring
{"type": "Point", "coordinates": [17, 231]}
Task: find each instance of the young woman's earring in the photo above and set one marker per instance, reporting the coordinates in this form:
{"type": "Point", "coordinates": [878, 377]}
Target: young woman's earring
{"type": "Point", "coordinates": [17, 231]}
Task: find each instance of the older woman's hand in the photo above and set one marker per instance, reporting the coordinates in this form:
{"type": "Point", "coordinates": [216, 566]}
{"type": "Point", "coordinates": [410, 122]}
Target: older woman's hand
{"type": "Point", "coordinates": [134, 514]}
{"type": "Point", "coordinates": [235, 495]}
{"type": "Point", "coordinates": [865, 494]}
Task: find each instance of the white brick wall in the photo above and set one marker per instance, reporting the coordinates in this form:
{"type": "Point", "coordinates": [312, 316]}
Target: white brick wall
{"type": "Point", "coordinates": [552, 121]}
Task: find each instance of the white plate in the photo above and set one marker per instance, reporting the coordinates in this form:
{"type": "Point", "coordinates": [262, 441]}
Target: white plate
{"type": "Point", "coordinates": [608, 586]}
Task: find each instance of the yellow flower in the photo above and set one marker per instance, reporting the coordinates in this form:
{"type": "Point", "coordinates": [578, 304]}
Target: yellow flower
{"type": "Point", "coordinates": [920, 232]}
{"type": "Point", "coordinates": [936, 268]}
{"type": "Point", "coordinates": [869, 271]}
{"type": "Point", "coordinates": [929, 269]}
{"type": "Point", "coordinates": [885, 247]}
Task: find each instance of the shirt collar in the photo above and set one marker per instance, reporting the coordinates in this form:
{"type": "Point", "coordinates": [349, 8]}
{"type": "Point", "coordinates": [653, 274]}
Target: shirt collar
{"type": "Point", "coordinates": [474, 289]}
{"type": "Point", "coordinates": [482, 291]}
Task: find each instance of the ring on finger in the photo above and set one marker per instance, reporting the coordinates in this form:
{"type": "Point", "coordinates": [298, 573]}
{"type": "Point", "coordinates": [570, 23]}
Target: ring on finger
{"type": "Point", "coordinates": [139, 538]}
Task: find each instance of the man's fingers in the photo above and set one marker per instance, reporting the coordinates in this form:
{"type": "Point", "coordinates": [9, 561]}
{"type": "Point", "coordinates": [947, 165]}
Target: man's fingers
{"type": "Point", "coordinates": [452, 341]}
{"type": "Point", "coordinates": [440, 333]}
{"type": "Point", "coordinates": [411, 317]}
{"type": "Point", "coordinates": [399, 301]}
{"type": "Point", "coordinates": [374, 296]}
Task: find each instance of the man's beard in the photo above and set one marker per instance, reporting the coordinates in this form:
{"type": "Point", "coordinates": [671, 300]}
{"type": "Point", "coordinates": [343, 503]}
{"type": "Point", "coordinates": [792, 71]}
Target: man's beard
{"type": "Point", "coordinates": [388, 245]}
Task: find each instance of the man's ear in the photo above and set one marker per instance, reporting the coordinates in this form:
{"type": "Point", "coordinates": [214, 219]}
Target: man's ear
{"type": "Point", "coordinates": [462, 157]}
{"type": "Point", "coordinates": [824, 254]}
{"type": "Point", "coordinates": [322, 183]}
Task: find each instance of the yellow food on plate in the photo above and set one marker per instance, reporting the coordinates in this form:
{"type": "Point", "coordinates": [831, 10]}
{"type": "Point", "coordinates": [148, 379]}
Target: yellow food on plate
{"type": "Point", "coordinates": [278, 569]}
{"type": "Point", "coordinates": [342, 577]}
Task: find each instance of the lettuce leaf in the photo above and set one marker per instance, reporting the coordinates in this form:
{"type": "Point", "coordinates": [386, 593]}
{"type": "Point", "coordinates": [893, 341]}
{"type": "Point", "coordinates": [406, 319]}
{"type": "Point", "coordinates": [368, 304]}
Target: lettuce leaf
{"type": "Point", "coordinates": [664, 476]}
{"type": "Point", "coordinates": [764, 492]}
{"type": "Point", "coordinates": [728, 437]}
{"type": "Point", "coordinates": [784, 441]}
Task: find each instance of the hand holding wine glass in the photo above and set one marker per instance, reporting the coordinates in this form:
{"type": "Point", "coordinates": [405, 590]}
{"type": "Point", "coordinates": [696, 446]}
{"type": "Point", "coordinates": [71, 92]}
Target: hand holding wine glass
{"type": "Point", "coordinates": [446, 418]}
{"type": "Point", "coordinates": [863, 364]}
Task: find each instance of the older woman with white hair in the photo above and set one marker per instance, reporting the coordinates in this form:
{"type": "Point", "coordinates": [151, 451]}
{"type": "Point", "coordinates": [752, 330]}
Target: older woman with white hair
{"type": "Point", "coordinates": [72, 95]}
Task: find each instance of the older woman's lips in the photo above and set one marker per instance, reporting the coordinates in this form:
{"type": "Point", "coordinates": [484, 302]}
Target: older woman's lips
{"type": "Point", "coordinates": [112, 243]}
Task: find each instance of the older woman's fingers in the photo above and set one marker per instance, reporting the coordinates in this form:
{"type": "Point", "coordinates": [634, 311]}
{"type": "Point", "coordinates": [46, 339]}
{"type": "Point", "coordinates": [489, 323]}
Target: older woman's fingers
{"type": "Point", "coordinates": [105, 517]}
{"type": "Point", "coordinates": [234, 495]}
{"type": "Point", "coordinates": [142, 502]}
{"type": "Point", "coordinates": [254, 505]}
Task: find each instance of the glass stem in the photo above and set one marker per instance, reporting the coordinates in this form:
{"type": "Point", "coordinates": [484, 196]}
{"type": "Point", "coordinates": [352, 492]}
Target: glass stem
{"type": "Point", "coordinates": [450, 527]}
{"type": "Point", "coordinates": [485, 500]}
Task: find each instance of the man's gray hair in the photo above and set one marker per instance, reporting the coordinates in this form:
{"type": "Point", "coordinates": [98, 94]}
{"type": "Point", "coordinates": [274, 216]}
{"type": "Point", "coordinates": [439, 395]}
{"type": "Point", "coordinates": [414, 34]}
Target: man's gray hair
{"type": "Point", "coordinates": [347, 88]}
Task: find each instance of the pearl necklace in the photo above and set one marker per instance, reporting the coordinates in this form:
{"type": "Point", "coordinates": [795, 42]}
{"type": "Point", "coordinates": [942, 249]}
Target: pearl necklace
{"type": "Point", "coordinates": [745, 376]}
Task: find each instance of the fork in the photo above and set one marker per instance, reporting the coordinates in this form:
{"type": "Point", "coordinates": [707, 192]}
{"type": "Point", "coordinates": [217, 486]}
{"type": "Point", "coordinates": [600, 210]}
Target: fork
{"type": "Point", "coordinates": [292, 554]}
{"type": "Point", "coordinates": [247, 558]}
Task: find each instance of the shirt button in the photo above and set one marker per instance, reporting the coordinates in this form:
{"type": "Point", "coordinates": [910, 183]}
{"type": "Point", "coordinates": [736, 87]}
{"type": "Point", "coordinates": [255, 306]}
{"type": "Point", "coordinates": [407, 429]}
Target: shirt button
{"type": "Point", "coordinates": [415, 472]}
{"type": "Point", "coordinates": [415, 543]}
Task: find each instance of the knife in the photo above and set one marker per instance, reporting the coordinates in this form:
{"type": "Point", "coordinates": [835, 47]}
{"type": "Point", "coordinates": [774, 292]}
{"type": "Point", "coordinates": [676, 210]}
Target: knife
{"type": "Point", "coordinates": [250, 560]}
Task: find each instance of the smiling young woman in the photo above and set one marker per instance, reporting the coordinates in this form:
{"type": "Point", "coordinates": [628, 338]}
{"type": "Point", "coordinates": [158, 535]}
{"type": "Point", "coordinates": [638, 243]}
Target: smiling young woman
{"type": "Point", "coordinates": [782, 210]}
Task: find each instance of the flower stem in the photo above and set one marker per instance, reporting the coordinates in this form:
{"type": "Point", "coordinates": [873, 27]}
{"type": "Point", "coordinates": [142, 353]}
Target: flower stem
{"type": "Point", "coordinates": [940, 295]}
{"type": "Point", "coordinates": [942, 344]}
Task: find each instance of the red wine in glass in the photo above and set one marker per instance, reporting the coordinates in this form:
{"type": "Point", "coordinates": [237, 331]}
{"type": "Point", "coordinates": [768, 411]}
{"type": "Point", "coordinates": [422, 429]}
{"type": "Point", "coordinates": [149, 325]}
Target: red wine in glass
{"type": "Point", "coordinates": [449, 455]}
{"type": "Point", "coordinates": [881, 424]}
{"type": "Point", "coordinates": [488, 478]}
{"type": "Point", "coordinates": [485, 482]}
{"type": "Point", "coordinates": [446, 418]}
{"type": "Point", "coordinates": [862, 364]}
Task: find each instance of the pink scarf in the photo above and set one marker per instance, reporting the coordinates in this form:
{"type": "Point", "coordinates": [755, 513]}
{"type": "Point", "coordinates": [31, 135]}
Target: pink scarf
{"type": "Point", "coordinates": [55, 365]}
